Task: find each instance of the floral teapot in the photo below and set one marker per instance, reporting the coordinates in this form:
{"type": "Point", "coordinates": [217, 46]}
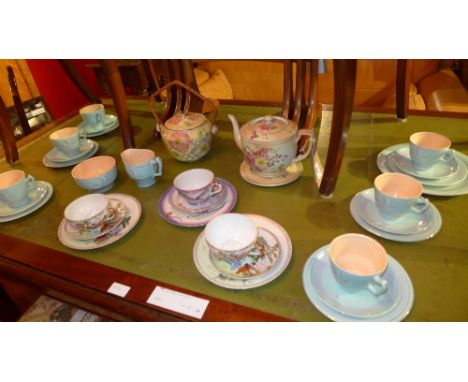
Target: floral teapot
{"type": "Point", "coordinates": [269, 144]}
{"type": "Point", "coordinates": [186, 135]}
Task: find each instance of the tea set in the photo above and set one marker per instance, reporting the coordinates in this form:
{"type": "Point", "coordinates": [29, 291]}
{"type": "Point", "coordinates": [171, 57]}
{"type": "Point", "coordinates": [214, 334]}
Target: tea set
{"type": "Point", "coordinates": [351, 279]}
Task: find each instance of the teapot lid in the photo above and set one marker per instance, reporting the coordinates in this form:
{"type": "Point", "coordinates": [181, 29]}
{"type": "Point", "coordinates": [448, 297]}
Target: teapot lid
{"type": "Point", "coordinates": [269, 129]}
{"type": "Point", "coordinates": [185, 121]}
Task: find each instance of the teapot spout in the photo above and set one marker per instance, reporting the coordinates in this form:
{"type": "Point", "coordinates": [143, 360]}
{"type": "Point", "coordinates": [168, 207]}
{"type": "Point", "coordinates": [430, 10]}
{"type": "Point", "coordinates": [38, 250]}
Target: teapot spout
{"type": "Point", "coordinates": [236, 130]}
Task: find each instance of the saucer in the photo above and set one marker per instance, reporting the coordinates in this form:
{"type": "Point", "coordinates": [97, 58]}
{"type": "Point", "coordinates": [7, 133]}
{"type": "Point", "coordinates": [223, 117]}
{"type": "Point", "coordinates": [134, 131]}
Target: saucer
{"type": "Point", "coordinates": [401, 158]}
{"type": "Point", "coordinates": [213, 203]}
{"type": "Point", "coordinates": [257, 262]}
{"type": "Point", "coordinates": [39, 196]}
{"type": "Point", "coordinates": [121, 211]}
{"type": "Point", "coordinates": [430, 187]}
{"type": "Point", "coordinates": [294, 171]}
{"type": "Point", "coordinates": [56, 155]}
{"type": "Point", "coordinates": [111, 122]}
{"type": "Point", "coordinates": [433, 227]}
{"type": "Point", "coordinates": [130, 220]}
{"type": "Point", "coordinates": [174, 216]}
{"type": "Point", "coordinates": [317, 278]}
{"type": "Point", "coordinates": [409, 223]}
{"type": "Point", "coordinates": [52, 164]}
{"type": "Point", "coordinates": [201, 257]}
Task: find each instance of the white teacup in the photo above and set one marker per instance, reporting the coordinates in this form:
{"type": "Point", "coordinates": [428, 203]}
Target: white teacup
{"type": "Point", "coordinates": [358, 262]}
{"type": "Point", "coordinates": [142, 165]}
{"type": "Point", "coordinates": [197, 186]}
{"type": "Point", "coordinates": [94, 116]}
{"type": "Point", "coordinates": [231, 236]}
{"type": "Point", "coordinates": [397, 194]}
{"type": "Point", "coordinates": [68, 140]}
{"type": "Point", "coordinates": [427, 149]}
{"type": "Point", "coordinates": [15, 187]}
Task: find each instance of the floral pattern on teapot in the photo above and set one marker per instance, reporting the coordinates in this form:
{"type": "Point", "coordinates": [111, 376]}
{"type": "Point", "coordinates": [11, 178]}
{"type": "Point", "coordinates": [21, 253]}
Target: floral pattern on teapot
{"type": "Point", "coordinates": [188, 145]}
{"type": "Point", "coordinates": [266, 160]}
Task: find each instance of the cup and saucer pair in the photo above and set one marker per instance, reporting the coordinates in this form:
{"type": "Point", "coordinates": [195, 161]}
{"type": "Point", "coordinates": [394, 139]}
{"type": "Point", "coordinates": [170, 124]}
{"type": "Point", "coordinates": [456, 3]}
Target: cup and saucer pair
{"type": "Point", "coordinates": [178, 205]}
{"type": "Point", "coordinates": [266, 259]}
{"type": "Point", "coordinates": [339, 304]}
{"type": "Point", "coordinates": [58, 159]}
{"type": "Point", "coordinates": [38, 196]}
{"type": "Point", "coordinates": [110, 123]}
{"type": "Point", "coordinates": [411, 227]}
{"type": "Point", "coordinates": [125, 214]}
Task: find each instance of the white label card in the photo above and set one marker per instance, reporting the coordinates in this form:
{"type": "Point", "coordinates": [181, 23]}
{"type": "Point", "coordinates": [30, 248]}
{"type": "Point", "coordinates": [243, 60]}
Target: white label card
{"type": "Point", "coordinates": [118, 289]}
{"type": "Point", "coordinates": [178, 302]}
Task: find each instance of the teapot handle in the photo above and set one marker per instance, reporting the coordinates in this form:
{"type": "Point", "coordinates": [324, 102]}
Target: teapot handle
{"type": "Point", "coordinates": [152, 99]}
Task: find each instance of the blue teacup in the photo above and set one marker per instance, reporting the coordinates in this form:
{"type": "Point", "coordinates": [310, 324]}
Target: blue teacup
{"type": "Point", "coordinates": [427, 149]}
{"type": "Point", "coordinates": [142, 165]}
{"type": "Point", "coordinates": [397, 194]}
{"type": "Point", "coordinates": [93, 115]}
{"type": "Point", "coordinates": [358, 262]}
{"type": "Point", "coordinates": [15, 187]}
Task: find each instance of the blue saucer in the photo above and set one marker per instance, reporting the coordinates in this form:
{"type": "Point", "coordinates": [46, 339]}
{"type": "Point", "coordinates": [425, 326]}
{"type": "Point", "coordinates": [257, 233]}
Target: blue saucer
{"type": "Point", "coordinates": [326, 295]}
{"type": "Point", "coordinates": [439, 170]}
{"type": "Point", "coordinates": [433, 228]}
{"type": "Point", "coordinates": [410, 223]}
{"type": "Point", "coordinates": [111, 122]}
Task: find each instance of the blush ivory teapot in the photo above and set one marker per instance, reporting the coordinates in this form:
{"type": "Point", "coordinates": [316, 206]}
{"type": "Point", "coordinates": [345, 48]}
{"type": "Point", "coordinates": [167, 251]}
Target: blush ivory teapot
{"type": "Point", "coordinates": [186, 135]}
{"type": "Point", "coordinates": [269, 144]}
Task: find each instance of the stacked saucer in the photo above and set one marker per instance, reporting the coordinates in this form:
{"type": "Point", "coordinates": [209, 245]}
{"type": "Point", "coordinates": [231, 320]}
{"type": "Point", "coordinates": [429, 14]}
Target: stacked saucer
{"type": "Point", "coordinates": [448, 178]}
{"type": "Point", "coordinates": [58, 159]}
{"type": "Point", "coordinates": [266, 259]}
{"type": "Point", "coordinates": [38, 196]}
{"type": "Point", "coordinates": [293, 172]}
{"type": "Point", "coordinates": [339, 304]}
{"type": "Point", "coordinates": [411, 227]}
{"type": "Point", "coordinates": [96, 220]}
{"type": "Point", "coordinates": [111, 122]}
{"type": "Point", "coordinates": [195, 198]}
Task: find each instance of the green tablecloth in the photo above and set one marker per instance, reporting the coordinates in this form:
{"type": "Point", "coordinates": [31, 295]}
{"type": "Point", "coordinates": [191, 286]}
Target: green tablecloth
{"type": "Point", "coordinates": [156, 249]}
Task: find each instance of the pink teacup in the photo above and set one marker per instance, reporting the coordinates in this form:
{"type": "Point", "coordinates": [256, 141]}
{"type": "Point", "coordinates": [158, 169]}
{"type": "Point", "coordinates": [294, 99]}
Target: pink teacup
{"type": "Point", "coordinates": [197, 186]}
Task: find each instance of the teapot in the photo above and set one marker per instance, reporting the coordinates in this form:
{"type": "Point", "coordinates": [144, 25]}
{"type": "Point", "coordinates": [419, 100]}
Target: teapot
{"type": "Point", "coordinates": [269, 144]}
{"type": "Point", "coordinates": [186, 135]}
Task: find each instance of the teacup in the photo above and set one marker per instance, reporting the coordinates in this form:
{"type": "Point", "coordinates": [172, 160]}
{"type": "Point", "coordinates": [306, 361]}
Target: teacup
{"type": "Point", "coordinates": [96, 174]}
{"type": "Point", "coordinates": [397, 194]}
{"type": "Point", "coordinates": [197, 186]}
{"type": "Point", "coordinates": [89, 213]}
{"type": "Point", "coordinates": [427, 149]}
{"type": "Point", "coordinates": [231, 236]}
{"type": "Point", "coordinates": [93, 115]}
{"type": "Point", "coordinates": [15, 187]}
{"type": "Point", "coordinates": [142, 165]}
{"type": "Point", "coordinates": [358, 262]}
{"type": "Point", "coordinates": [68, 140]}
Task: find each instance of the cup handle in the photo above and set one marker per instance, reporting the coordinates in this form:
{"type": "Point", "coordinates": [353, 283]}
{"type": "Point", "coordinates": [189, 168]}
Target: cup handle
{"type": "Point", "coordinates": [448, 156]}
{"type": "Point", "coordinates": [309, 133]}
{"type": "Point", "coordinates": [82, 136]}
{"type": "Point", "coordinates": [377, 286]}
{"type": "Point", "coordinates": [216, 189]}
{"type": "Point", "coordinates": [420, 206]}
{"type": "Point", "coordinates": [157, 166]}
{"type": "Point", "coordinates": [31, 182]}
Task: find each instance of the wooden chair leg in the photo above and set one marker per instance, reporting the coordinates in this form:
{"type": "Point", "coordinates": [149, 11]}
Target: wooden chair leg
{"type": "Point", "coordinates": [7, 136]}
{"type": "Point", "coordinates": [344, 88]}
{"type": "Point", "coordinates": [72, 73]}
{"type": "Point", "coordinates": [402, 88]}
{"type": "Point", "coordinates": [298, 97]}
{"type": "Point", "coordinates": [114, 80]}
{"type": "Point", "coordinates": [288, 98]}
{"type": "Point", "coordinates": [17, 101]}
